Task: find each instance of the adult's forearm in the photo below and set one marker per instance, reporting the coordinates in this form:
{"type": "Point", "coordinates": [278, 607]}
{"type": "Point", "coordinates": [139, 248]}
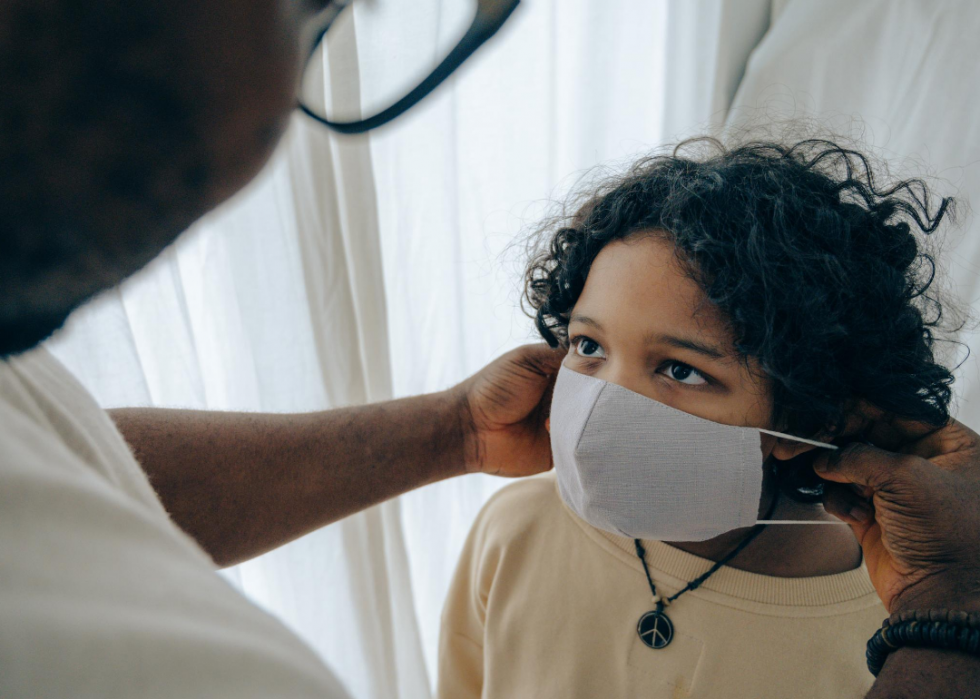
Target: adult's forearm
{"type": "Point", "coordinates": [244, 483]}
{"type": "Point", "coordinates": [915, 673]}
{"type": "Point", "coordinates": [923, 672]}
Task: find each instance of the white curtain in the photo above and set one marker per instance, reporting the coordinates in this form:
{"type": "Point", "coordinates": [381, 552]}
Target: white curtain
{"type": "Point", "coordinates": [360, 269]}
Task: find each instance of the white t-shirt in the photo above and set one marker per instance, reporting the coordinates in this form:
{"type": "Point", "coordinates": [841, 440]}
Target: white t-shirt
{"type": "Point", "coordinates": [101, 595]}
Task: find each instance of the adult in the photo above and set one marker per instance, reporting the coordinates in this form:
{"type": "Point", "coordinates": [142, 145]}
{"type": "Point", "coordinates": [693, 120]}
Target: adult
{"type": "Point", "coordinates": [915, 509]}
{"type": "Point", "coordinates": [122, 123]}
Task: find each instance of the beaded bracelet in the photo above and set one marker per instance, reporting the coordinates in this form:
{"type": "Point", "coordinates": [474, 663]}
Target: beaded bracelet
{"type": "Point", "coordinates": [935, 628]}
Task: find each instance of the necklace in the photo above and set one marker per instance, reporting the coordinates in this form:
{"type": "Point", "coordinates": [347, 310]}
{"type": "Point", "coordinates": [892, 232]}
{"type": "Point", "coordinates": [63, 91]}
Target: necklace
{"type": "Point", "coordinates": [655, 628]}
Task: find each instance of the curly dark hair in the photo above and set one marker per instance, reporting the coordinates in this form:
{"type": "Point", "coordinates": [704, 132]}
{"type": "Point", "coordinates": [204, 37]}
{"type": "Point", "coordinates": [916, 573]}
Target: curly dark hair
{"type": "Point", "coordinates": [820, 270]}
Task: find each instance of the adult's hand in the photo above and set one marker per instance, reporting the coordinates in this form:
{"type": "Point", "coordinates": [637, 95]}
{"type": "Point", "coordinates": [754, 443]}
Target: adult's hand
{"type": "Point", "coordinates": [915, 511]}
{"type": "Point", "coordinates": [505, 406]}
{"type": "Point", "coordinates": [244, 483]}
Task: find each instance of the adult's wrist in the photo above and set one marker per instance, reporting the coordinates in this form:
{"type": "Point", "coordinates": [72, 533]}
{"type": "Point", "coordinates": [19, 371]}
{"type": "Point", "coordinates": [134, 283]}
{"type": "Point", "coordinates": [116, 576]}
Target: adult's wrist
{"type": "Point", "coordinates": [952, 591]}
{"type": "Point", "coordinates": [461, 451]}
{"type": "Point", "coordinates": [925, 619]}
{"type": "Point", "coordinates": [472, 445]}
{"type": "Point", "coordinates": [911, 673]}
{"type": "Point", "coordinates": [934, 629]}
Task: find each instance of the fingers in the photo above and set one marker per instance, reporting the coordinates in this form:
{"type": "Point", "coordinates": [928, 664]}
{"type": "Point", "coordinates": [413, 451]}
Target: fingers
{"type": "Point", "coordinates": [542, 361]}
{"type": "Point", "coordinates": [952, 439]}
{"type": "Point", "coordinates": [884, 429]}
{"type": "Point", "coordinates": [849, 507]}
{"type": "Point", "coordinates": [862, 464]}
{"type": "Point", "coordinates": [540, 358]}
{"type": "Point", "coordinates": [895, 433]}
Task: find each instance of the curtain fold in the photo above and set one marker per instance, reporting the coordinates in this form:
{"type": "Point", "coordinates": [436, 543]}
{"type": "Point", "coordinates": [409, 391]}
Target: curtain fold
{"type": "Point", "coordinates": [708, 46]}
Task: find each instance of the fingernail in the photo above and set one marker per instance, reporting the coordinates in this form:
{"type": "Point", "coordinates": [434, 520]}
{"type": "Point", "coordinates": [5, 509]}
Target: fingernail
{"type": "Point", "coordinates": [862, 513]}
{"type": "Point", "coordinates": [820, 466]}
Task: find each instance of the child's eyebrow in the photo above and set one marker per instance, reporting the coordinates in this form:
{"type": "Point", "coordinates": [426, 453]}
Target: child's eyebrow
{"type": "Point", "coordinates": [686, 343]}
{"type": "Point", "coordinates": [585, 320]}
{"type": "Point", "coordinates": [655, 338]}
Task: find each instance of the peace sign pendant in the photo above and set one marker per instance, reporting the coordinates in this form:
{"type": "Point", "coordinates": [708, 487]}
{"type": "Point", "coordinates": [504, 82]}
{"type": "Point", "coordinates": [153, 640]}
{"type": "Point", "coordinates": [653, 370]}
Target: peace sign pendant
{"type": "Point", "coordinates": [655, 629]}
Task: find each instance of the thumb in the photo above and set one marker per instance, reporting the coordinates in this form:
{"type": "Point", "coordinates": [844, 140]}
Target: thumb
{"type": "Point", "coordinates": [540, 359]}
{"type": "Point", "coordinates": [862, 464]}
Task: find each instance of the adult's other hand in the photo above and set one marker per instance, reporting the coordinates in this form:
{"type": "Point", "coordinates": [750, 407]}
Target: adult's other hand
{"type": "Point", "coordinates": [505, 406]}
{"type": "Point", "coordinates": [915, 511]}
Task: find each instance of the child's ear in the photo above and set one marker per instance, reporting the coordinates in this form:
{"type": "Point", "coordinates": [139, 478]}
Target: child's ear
{"type": "Point", "coordinates": [786, 449]}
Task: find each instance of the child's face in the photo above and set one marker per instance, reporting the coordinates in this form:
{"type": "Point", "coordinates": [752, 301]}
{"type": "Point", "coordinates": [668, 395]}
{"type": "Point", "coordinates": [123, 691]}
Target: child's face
{"type": "Point", "coordinates": [642, 323]}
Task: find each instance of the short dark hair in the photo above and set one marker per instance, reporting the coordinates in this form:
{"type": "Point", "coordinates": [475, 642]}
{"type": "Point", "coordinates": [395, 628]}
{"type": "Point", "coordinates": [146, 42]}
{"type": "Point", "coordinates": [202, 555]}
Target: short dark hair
{"type": "Point", "coordinates": [819, 269]}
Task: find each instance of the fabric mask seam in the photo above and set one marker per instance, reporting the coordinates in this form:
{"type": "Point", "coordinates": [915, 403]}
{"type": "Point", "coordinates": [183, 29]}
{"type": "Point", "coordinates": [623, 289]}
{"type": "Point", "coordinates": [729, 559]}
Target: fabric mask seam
{"type": "Point", "coordinates": [588, 417]}
{"type": "Point", "coordinates": [743, 478]}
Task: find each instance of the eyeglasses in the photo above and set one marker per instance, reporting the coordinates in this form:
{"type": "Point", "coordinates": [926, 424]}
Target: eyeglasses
{"type": "Point", "coordinates": [395, 67]}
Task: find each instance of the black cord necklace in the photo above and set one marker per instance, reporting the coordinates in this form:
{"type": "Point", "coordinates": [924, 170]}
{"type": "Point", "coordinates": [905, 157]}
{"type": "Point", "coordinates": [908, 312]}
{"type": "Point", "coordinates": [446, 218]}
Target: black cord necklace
{"type": "Point", "coordinates": [655, 628]}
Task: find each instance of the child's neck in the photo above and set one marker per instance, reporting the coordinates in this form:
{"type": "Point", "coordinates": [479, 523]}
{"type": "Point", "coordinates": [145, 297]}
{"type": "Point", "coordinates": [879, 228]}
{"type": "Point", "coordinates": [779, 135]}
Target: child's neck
{"type": "Point", "coordinates": [787, 551]}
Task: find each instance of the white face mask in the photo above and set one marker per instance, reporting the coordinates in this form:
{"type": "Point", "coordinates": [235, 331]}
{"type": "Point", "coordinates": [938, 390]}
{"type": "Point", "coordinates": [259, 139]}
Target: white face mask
{"type": "Point", "coordinates": [635, 467]}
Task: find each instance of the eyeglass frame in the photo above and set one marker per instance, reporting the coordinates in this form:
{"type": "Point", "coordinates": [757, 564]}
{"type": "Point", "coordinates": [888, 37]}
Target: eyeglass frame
{"type": "Point", "coordinates": [486, 22]}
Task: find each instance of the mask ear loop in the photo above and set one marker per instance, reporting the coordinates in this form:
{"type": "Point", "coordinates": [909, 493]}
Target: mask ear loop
{"type": "Point", "coordinates": [797, 521]}
{"type": "Point", "coordinates": [793, 437]}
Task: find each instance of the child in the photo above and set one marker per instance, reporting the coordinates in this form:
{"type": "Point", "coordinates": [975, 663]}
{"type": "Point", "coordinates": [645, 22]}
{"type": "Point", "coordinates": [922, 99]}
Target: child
{"type": "Point", "coordinates": [763, 286]}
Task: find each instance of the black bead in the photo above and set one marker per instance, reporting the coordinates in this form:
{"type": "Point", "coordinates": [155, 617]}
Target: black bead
{"type": "Point", "coordinates": [973, 645]}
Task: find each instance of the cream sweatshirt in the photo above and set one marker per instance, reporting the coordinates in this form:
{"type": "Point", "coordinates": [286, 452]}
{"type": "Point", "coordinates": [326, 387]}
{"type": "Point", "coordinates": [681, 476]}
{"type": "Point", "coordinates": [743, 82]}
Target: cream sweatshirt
{"type": "Point", "coordinates": [544, 605]}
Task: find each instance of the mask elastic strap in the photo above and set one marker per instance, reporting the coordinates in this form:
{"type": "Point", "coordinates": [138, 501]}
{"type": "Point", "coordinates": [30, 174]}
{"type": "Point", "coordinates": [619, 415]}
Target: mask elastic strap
{"type": "Point", "coordinates": [798, 439]}
{"type": "Point", "coordinates": [800, 521]}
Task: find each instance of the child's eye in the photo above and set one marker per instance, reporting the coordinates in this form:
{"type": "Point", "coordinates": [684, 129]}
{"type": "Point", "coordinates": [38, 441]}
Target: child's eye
{"type": "Point", "coordinates": [684, 373]}
{"type": "Point", "coordinates": [588, 348]}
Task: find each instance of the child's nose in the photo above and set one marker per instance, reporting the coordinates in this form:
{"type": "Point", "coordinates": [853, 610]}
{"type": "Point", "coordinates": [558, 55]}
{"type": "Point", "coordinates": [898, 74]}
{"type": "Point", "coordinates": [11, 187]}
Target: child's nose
{"type": "Point", "coordinates": [635, 379]}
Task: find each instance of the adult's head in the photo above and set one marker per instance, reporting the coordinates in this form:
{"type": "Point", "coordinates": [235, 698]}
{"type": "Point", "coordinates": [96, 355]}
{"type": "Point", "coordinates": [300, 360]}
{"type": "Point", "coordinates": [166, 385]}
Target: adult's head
{"type": "Point", "coordinates": [122, 122]}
